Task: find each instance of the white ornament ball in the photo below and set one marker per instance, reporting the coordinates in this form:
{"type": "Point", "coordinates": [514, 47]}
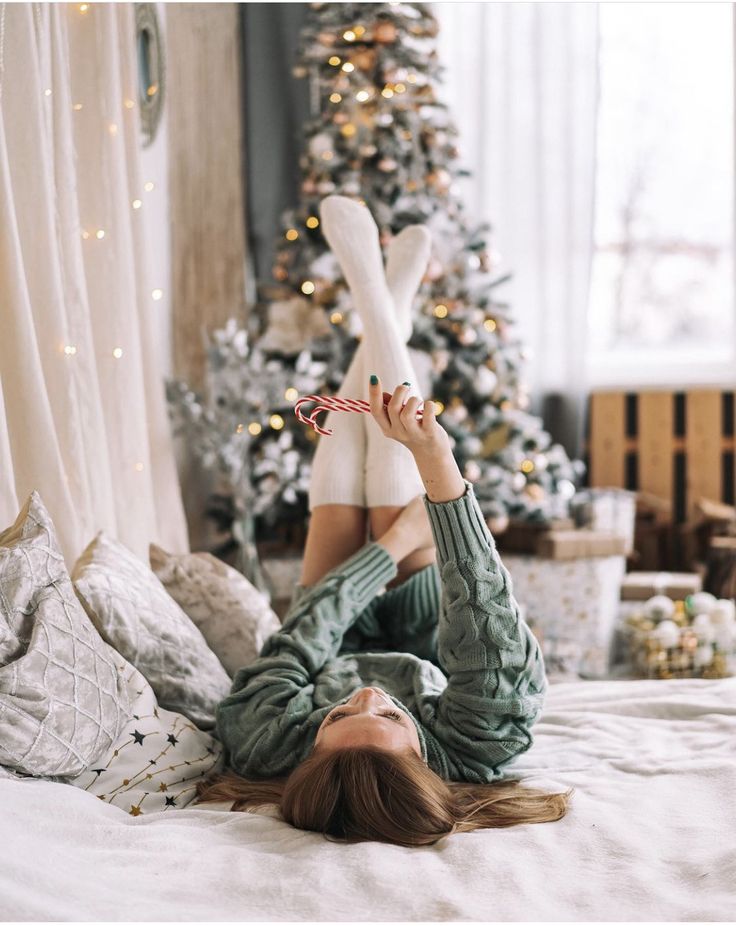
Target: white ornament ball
{"type": "Point", "coordinates": [703, 628]}
{"type": "Point", "coordinates": [485, 381]}
{"type": "Point", "coordinates": [472, 471]}
{"type": "Point", "coordinates": [701, 603]}
{"type": "Point", "coordinates": [659, 608]}
{"type": "Point", "coordinates": [703, 656]}
{"type": "Point", "coordinates": [566, 488]}
{"type": "Point", "coordinates": [724, 612]}
{"type": "Point", "coordinates": [518, 481]}
{"type": "Point", "coordinates": [667, 633]}
{"type": "Point", "coordinates": [498, 524]}
{"type": "Point", "coordinates": [319, 144]}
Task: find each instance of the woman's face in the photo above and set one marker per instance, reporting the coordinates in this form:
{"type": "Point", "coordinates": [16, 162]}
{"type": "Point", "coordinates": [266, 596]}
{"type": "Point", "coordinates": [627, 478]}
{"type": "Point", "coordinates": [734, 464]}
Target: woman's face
{"type": "Point", "coordinates": [369, 718]}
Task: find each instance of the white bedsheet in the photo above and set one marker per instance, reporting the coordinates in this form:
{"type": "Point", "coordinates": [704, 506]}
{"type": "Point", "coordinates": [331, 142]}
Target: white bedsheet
{"type": "Point", "coordinates": [651, 835]}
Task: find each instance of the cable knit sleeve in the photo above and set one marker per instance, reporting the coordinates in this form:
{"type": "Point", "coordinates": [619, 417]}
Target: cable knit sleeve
{"type": "Point", "coordinates": [496, 676]}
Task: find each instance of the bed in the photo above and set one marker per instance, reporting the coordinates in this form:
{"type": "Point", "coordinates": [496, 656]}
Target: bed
{"type": "Point", "coordinates": [651, 835]}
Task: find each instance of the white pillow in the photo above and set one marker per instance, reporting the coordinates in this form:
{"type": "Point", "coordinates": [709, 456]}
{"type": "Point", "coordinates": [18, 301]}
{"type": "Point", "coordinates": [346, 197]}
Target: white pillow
{"type": "Point", "coordinates": [63, 700]}
{"type": "Point", "coordinates": [133, 612]}
{"type": "Point", "coordinates": [235, 618]}
{"type": "Point", "coordinates": [157, 760]}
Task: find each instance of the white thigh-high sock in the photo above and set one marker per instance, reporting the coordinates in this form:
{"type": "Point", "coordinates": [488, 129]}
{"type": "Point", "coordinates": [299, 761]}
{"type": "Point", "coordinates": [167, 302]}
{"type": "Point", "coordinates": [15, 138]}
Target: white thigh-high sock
{"type": "Point", "coordinates": [339, 462]}
{"type": "Point", "coordinates": [391, 475]}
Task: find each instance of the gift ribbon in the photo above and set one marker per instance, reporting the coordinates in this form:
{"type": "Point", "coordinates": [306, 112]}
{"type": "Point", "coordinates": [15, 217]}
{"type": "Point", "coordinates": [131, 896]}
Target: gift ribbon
{"type": "Point", "coordinates": [335, 403]}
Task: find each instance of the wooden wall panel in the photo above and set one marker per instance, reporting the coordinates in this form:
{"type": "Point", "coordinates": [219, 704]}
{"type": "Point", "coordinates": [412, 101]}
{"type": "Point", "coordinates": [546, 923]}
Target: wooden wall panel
{"type": "Point", "coordinates": [607, 432]}
{"type": "Point", "coordinates": [656, 443]}
{"type": "Point", "coordinates": [205, 114]}
{"type": "Point", "coordinates": [703, 442]}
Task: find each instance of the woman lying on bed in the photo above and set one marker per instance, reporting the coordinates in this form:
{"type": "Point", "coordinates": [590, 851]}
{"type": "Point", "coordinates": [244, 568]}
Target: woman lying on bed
{"type": "Point", "coordinates": [389, 715]}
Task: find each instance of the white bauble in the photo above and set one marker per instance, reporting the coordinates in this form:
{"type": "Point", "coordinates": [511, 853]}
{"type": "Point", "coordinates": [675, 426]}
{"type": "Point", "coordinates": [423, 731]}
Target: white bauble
{"type": "Point", "coordinates": [724, 612]}
{"type": "Point", "coordinates": [701, 603]}
{"type": "Point", "coordinates": [667, 633]}
{"type": "Point", "coordinates": [320, 143]}
{"type": "Point", "coordinates": [703, 656]}
{"type": "Point", "coordinates": [703, 628]}
{"type": "Point", "coordinates": [485, 381]}
{"type": "Point", "coordinates": [659, 608]}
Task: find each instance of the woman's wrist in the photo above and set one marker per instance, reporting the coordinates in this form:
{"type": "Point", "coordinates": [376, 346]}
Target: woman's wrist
{"type": "Point", "coordinates": [397, 543]}
{"type": "Point", "coordinates": [440, 474]}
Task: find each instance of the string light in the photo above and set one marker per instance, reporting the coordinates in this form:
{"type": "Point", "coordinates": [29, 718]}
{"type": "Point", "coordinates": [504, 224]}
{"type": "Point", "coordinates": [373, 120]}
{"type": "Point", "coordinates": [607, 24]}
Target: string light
{"type": "Point", "coordinates": [359, 30]}
{"type": "Point", "coordinates": [336, 318]}
{"type": "Point", "coordinates": [70, 350]}
{"type": "Point", "coordinates": [312, 221]}
{"type": "Point", "coordinates": [439, 406]}
{"type": "Point", "coordinates": [152, 90]}
{"type": "Point", "coordinates": [137, 204]}
{"type": "Point", "coordinates": [77, 107]}
{"type": "Point", "coordinates": [348, 67]}
{"type": "Point", "coordinates": [117, 352]}
{"type": "Point", "coordinates": [335, 97]}
{"type": "Point", "coordinates": [349, 36]}
{"type": "Point", "coordinates": [291, 394]}
{"type": "Point", "coordinates": [399, 88]}
{"type": "Point", "coordinates": [100, 233]}
{"type": "Point", "coordinates": [292, 234]}
{"type": "Point", "coordinates": [148, 186]}
{"type": "Point", "coordinates": [139, 467]}
{"type": "Point", "coordinates": [83, 7]}
{"type": "Point", "coordinates": [387, 92]}
{"type": "Point", "coordinates": [157, 294]}
{"type": "Point", "coordinates": [412, 78]}
{"type": "Point", "coordinates": [85, 234]}
{"type": "Point", "coordinates": [129, 104]}
{"type": "Point", "coordinates": [239, 430]}
{"type": "Point", "coordinates": [348, 130]}
{"type": "Point", "coordinates": [254, 428]}
{"type": "Point", "coordinates": [334, 61]}
{"type": "Point", "coordinates": [362, 95]}
{"type": "Point", "coordinates": [47, 91]}
{"type": "Point", "coordinates": [527, 466]}
{"type": "Point", "coordinates": [440, 311]}
{"type": "Point", "coordinates": [489, 324]}
{"type": "Point", "coordinates": [327, 155]}
{"type": "Point", "coordinates": [307, 287]}
{"type": "Point", "coordinates": [113, 129]}
{"type": "Point", "coordinates": [276, 422]}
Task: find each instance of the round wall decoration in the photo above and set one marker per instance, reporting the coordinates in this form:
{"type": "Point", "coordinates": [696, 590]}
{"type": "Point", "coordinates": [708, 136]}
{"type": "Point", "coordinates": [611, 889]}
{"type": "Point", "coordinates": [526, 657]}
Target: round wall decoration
{"type": "Point", "coordinates": [151, 69]}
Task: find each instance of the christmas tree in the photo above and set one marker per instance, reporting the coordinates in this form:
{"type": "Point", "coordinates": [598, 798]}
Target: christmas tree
{"type": "Point", "coordinates": [380, 134]}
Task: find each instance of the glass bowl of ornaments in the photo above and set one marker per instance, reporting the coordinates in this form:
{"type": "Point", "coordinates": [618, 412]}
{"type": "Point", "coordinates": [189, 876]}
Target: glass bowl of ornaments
{"type": "Point", "coordinates": [694, 638]}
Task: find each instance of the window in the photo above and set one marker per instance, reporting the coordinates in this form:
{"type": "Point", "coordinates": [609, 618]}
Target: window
{"type": "Point", "coordinates": [663, 308]}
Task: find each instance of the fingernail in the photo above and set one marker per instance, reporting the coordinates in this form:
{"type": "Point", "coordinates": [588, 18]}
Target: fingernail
{"type": "Point", "coordinates": [374, 379]}
{"type": "Point", "coordinates": [406, 383]}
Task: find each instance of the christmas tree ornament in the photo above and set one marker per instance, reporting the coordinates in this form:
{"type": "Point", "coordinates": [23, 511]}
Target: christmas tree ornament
{"type": "Point", "coordinates": [659, 608]}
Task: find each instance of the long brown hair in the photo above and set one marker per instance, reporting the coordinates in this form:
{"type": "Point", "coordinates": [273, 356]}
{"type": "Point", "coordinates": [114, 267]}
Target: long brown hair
{"type": "Point", "coordinates": [360, 793]}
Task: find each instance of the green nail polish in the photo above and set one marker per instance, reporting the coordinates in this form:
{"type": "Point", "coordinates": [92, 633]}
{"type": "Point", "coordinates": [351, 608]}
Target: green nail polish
{"type": "Point", "coordinates": [374, 379]}
{"type": "Point", "coordinates": [406, 383]}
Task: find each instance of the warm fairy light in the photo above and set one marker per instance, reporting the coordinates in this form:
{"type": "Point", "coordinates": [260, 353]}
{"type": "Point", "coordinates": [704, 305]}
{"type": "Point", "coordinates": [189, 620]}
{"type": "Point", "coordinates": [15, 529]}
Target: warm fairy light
{"type": "Point", "coordinates": [359, 30]}
{"type": "Point", "coordinates": [334, 61]}
{"type": "Point", "coordinates": [291, 394]}
{"type": "Point", "coordinates": [307, 287]}
{"type": "Point", "coordinates": [47, 91]}
{"type": "Point", "coordinates": [152, 90]}
{"type": "Point", "coordinates": [70, 350]}
{"type": "Point", "coordinates": [276, 422]}
{"type": "Point", "coordinates": [527, 466]}
{"type": "Point", "coordinates": [505, 405]}
{"type": "Point", "coordinates": [117, 352]}
{"type": "Point", "coordinates": [137, 203]}
{"type": "Point", "coordinates": [83, 7]}
{"type": "Point", "coordinates": [348, 67]}
{"type": "Point", "coordinates": [387, 92]}
{"type": "Point", "coordinates": [292, 234]}
{"type": "Point", "coordinates": [336, 318]}
{"type": "Point", "coordinates": [399, 88]}
{"type": "Point", "coordinates": [157, 294]}
{"type": "Point", "coordinates": [349, 35]}
{"type": "Point", "coordinates": [348, 130]}
{"type": "Point", "coordinates": [489, 324]}
{"type": "Point", "coordinates": [254, 428]}
{"type": "Point", "coordinates": [362, 95]}
{"type": "Point", "coordinates": [335, 97]}
{"type": "Point", "coordinates": [129, 104]}
{"type": "Point", "coordinates": [148, 186]}
{"type": "Point", "coordinates": [412, 78]}
{"type": "Point", "coordinates": [85, 235]}
{"type": "Point", "coordinates": [440, 311]}
{"type": "Point", "coordinates": [100, 233]}
{"type": "Point", "coordinates": [240, 428]}
{"type": "Point", "coordinates": [139, 467]}
{"type": "Point", "coordinates": [112, 128]}
{"type": "Point", "coordinates": [312, 221]}
{"type": "Point", "coordinates": [439, 406]}
{"type": "Point", "coordinates": [327, 155]}
{"type": "Point", "coordinates": [77, 107]}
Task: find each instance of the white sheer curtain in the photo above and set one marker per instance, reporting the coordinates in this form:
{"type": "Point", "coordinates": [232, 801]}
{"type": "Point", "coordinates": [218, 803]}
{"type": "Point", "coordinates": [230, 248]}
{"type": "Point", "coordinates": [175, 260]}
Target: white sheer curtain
{"type": "Point", "coordinates": [522, 85]}
{"type": "Point", "coordinates": [82, 407]}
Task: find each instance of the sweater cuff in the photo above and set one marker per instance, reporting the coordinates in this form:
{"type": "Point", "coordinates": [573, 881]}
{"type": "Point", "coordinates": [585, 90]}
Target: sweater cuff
{"type": "Point", "coordinates": [459, 527]}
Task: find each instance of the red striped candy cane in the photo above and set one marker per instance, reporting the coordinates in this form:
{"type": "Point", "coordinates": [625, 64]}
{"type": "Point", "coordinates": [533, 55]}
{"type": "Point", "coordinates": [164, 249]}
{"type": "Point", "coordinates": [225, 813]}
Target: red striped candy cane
{"type": "Point", "coordinates": [334, 403]}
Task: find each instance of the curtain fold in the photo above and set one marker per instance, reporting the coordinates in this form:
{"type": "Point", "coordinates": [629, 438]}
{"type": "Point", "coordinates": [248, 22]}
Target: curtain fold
{"type": "Point", "coordinates": [82, 413]}
{"type": "Point", "coordinates": [522, 86]}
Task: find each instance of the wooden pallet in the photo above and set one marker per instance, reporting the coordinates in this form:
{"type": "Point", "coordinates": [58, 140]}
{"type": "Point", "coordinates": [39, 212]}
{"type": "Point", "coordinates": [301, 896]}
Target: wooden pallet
{"type": "Point", "coordinates": [677, 446]}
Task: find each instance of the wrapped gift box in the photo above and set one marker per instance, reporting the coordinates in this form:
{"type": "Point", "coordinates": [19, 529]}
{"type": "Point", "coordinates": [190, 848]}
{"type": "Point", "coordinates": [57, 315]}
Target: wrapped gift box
{"type": "Point", "coordinates": [640, 586]}
{"type": "Point", "coordinates": [571, 606]}
{"type": "Point", "coordinates": [580, 543]}
{"type": "Point", "coordinates": [607, 509]}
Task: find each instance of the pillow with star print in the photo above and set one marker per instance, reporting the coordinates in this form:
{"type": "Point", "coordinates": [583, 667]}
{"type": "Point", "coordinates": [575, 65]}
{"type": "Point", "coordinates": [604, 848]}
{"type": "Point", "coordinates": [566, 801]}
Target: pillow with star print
{"type": "Point", "coordinates": [156, 761]}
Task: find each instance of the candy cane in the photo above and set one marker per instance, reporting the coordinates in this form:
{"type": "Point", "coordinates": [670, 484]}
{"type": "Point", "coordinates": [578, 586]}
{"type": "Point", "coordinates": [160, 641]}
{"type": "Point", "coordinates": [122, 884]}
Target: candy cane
{"type": "Point", "coordinates": [335, 403]}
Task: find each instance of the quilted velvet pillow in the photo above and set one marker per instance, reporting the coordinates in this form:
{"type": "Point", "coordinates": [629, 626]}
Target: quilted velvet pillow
{"type": "Point", "coordinates": [156, 761]}
{"type": "Point", "coordinates": [135, 614]}
{"type": "Point", "coordinates": [235, 618]}
{"type": "Point", "coordinates": [63, 698]}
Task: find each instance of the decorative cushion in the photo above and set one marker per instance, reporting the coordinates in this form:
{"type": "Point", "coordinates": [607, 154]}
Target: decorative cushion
{"type": "Point", "coordinates": [63, 698]}
{"type": "Point", "coordinates": [157, 760]}
{"type": "Point", "coordinates": [235, 618]}
{"type": "Point", "coordinates": [134, 613]}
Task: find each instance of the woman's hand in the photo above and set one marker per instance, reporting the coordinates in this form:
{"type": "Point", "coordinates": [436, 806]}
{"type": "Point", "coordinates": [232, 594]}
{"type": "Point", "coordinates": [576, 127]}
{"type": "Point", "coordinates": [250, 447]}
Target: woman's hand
{"type": "Point", "coordinates": [424, 437]}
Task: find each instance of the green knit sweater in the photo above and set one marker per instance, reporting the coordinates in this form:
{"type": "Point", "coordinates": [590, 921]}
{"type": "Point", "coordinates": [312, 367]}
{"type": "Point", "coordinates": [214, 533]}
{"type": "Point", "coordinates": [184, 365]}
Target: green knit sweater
{"type": "Point", "coordinates": [448, 645]}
